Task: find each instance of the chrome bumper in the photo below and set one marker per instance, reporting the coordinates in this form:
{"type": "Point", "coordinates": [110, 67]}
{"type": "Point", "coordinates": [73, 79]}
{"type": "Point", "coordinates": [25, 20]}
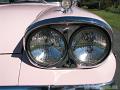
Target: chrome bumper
{"type": "Point", "coordinates": [103, 86]}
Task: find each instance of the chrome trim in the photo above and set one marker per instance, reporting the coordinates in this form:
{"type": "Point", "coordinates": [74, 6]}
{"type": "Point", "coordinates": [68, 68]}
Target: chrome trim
{"type": "Point", "coordinates": [38, 64]}
{"type": "Point", "coordinates": [102, 86]}
{"type": "Point", "coordinates": [100, 60]}
{"type": "Point", "coordinates": [70, 20]}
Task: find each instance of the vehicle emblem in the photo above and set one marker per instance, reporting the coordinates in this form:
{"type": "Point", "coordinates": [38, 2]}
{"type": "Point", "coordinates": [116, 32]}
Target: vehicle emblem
{"type": "Point", "coordinates": [66, 5]}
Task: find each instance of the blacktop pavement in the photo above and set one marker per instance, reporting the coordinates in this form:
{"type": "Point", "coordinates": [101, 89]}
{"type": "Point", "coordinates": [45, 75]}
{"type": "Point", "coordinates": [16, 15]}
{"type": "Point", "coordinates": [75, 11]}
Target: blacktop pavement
{"type": "Point", "coordinates": [116, 51]}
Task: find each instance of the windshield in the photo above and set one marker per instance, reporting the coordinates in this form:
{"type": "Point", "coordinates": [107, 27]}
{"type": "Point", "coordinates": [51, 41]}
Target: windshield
{"type": "Point", "coordinates": [17, 1]}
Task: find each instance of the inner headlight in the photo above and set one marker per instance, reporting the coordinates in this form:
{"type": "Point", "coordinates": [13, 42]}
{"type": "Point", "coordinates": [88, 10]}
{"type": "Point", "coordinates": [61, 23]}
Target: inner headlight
{"type": "Point", "coordinates": [89, 46]}
{"type": "Point", "coordinates": [45, 46]}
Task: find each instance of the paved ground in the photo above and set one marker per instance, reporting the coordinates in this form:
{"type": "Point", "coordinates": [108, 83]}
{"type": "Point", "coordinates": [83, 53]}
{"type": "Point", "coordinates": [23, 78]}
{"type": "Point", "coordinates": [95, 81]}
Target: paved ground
{"type": "Point", "coordinates": [116, 50]}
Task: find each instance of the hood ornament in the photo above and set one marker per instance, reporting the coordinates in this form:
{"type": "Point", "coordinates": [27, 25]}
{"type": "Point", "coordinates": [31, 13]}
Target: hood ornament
{"type": "Point", "coordinates": [66, 5]}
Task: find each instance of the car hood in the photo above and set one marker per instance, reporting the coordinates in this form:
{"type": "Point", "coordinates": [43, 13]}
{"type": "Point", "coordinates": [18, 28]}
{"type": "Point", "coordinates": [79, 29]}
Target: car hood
{"type": "Point", "coordinates": [15, 18]}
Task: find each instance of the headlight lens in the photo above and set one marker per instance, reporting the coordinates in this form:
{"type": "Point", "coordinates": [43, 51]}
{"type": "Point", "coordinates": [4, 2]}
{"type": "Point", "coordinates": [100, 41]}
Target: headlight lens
{"type": "Point", "coordinates": [89, 46]}
{"type": "Point", "coordinates": [46, 46]}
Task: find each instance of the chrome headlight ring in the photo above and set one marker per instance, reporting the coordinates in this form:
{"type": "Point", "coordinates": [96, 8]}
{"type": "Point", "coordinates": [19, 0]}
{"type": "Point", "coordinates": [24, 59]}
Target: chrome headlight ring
{"type": "Point", "coordinates": [83, 22]}
{"type": "Point", "coordinates": [45, 47]}
{"type": "Point", "coordinates": [88, 36]}
{"type": "Point", "coordinates": [89, 46]}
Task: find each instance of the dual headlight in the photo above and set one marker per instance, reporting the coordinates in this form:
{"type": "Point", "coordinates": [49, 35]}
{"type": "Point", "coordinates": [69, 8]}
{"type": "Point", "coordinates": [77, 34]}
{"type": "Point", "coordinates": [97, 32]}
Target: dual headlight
{"type": "Point", "coordinates": [46, 46]}
{"type": "Point", "coordinates": [87, 46]}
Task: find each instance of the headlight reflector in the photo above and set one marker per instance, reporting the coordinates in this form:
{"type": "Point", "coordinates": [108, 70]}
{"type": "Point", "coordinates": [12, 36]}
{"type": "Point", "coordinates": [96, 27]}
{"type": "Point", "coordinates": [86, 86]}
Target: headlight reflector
{"type": "Point", "coordinates": [89, 46]}
{"type": "Point", "coordinates": [46, 46]}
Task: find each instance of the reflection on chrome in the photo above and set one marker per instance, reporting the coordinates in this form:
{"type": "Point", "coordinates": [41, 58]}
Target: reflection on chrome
{"type": "Point", "coordinates": [50, 54]}
{"type": "Point", "coordinates": [84, 56]}
{"type": "Point", "coordinates": [39, 55]}
{"type": "Point", "coordinates": [103, 43]}
{"type": "Point", "coordinates": [46, 46]}
{"type": "Point", "coordinates": [89, 46]}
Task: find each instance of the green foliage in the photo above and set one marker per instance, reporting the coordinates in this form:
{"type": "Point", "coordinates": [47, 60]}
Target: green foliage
{"type": "Point", "coordinates": [113, 9]}
{"type": "Point", "coordinates": [93, 5]}
{"type": "Point", "coordinates": [112, 18]}
{"type": "Point", "coordinates": [108, 3]}
{"type": "Point", "coordinates": [4, 1]}
{"type": "Point", "coordinates": [98, 4]}
{"type": "Point", "coordinates": [90, 1]}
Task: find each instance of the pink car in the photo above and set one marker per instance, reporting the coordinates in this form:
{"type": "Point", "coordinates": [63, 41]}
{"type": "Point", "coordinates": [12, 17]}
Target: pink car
{"type": "Point", "coordinates": [54, 45]}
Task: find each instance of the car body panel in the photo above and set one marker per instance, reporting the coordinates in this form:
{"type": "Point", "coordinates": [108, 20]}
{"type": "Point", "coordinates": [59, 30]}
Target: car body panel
{"type": "Point", "coordinates": [34, 76]}
{"type": "Point", "coordinates": [57, 12]}
{"type": "Point", "coordinates": [14, 19]}
{"type": "Point", "coordinates": [9, 70]}
{"type": "Point", "coordinates": [15, 72]}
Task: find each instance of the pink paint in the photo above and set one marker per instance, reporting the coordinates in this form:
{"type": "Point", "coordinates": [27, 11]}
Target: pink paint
{"type": "Point", "coordinates": [14, 19]}
{"type": "Point", "coordinates": [34, 76]}
{"type": "Point", "coordinates": [9, 70]}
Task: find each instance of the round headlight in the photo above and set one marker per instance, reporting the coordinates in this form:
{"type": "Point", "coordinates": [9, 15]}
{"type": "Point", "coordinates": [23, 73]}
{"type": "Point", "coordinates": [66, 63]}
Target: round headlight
{"type": "Point", "coordinates": [89, 46]}
{"type": "Point", "coordinates": [45, 47]}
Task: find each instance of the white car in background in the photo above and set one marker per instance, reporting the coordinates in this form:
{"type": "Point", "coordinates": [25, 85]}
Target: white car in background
{"type": "Point", "coordinates": [54, 45]}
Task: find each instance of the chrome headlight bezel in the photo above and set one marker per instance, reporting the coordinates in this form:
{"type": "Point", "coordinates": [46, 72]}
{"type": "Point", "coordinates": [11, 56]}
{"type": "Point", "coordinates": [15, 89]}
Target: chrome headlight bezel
{"type": "Point", "coordinates": [82, 64]}
{"type": "Point", "coordinates": [66, 21]}
{"type": "Point", "coordinates": [31, 59]}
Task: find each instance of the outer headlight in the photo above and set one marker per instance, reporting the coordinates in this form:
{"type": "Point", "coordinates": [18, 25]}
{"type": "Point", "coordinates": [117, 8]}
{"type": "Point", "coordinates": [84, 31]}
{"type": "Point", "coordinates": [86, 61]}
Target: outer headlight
{"type": "Point", "coordinates": [45, 46]}
{"type": "Point", "coordinates": [89, 46]}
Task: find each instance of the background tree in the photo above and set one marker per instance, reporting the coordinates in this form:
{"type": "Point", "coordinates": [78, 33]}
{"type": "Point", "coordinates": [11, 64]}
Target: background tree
{"type": "Point", "coordinates": [116, 3]}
